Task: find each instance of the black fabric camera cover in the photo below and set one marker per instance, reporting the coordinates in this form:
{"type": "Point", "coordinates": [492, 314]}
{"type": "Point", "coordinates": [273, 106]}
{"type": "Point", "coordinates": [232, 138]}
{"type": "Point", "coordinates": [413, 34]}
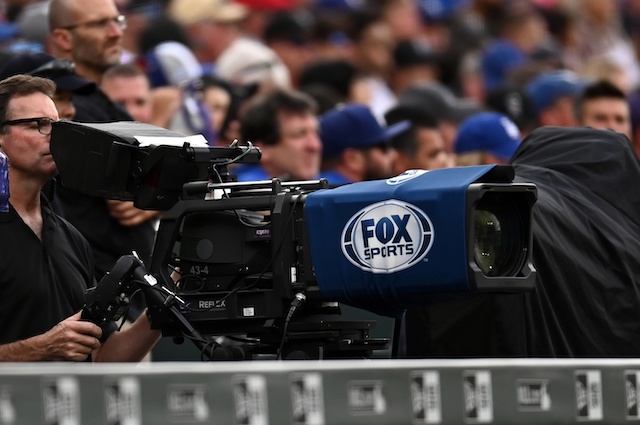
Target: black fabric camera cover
{"type": "Point", "coordinates": [586, 249]}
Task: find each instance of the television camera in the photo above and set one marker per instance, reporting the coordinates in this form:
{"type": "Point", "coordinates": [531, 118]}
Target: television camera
{"type": "Point", "coordinates": [268, 263]}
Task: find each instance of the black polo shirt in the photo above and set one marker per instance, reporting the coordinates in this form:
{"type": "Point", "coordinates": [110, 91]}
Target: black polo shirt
{"type": "Point", "coordinates": [41, 282]}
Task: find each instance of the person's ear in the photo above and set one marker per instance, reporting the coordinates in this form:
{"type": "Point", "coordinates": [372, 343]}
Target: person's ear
{"type": "Point", "coordinates": [353, 159]}
{"type": "Point", "coordinates": [62, 39]}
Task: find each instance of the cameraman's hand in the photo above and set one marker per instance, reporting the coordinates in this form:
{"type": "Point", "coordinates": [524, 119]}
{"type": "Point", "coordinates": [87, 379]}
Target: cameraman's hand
{"type": "Point", "coordinates": [127, 214]}
{"type": "Point", "coordinates": [72, 339]}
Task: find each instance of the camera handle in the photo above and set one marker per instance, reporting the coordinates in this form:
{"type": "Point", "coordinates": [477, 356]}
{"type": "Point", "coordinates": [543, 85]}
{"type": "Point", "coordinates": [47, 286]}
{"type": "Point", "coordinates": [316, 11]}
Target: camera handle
{"type": "Point", "coordinates": [107, 302]}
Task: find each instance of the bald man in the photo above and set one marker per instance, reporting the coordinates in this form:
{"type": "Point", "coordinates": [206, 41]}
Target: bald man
{"type": "Point", "coordinates": [89, 33]}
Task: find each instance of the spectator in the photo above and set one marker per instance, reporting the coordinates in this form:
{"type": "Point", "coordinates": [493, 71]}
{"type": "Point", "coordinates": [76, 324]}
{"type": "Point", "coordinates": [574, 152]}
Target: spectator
{"type": "Point", "coordinates": [603, 105]}
{"type": "Point", "coordinates": [422, 146]}
{"type": "Point", "coordinates": [92, 44]}
{"type": "Point", "coordinates": [523, 32]}
{"type": "Point", "coordinates": [46, 273]}
{"type": "Point", "coordinates": [284, 125]}
{"type": "Point", "coordinates": [552, 94]}
{"type": "Point", "coordinates": [486, 138]}
{"type": "Point", "coordinates": [224, 100]}
{"type": "Point", "coordinates": [127, 85]}
{"type": "Point", "coordinates": [90, 34]}
{"type": "Point", "coordinates": [355, 147]}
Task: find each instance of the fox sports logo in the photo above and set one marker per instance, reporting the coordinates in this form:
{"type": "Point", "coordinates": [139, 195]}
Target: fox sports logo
{"type": "Point", "coordinates": [387, 237]}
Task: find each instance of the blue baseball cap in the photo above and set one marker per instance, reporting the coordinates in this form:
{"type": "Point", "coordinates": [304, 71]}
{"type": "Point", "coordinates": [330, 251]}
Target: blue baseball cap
{"type": "Point", "coordinates": [489, 132]}
{"type": "Point", "coordinates": [498, 60]}
{"type": "Point", "coordinates": [354, 126]}
{"type": "Point", "coordinates": [545, 89]}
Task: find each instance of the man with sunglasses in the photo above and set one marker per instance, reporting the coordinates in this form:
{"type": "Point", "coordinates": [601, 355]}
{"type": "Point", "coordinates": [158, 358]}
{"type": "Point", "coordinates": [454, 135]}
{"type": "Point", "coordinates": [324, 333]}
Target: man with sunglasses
{"type": "Point", "coordinates": [45, 263]}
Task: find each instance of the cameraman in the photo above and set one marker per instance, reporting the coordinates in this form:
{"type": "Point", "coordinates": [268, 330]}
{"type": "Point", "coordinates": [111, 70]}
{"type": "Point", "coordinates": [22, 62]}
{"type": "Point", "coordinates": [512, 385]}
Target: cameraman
{"type": "Point", "coordinates": [45, 263]}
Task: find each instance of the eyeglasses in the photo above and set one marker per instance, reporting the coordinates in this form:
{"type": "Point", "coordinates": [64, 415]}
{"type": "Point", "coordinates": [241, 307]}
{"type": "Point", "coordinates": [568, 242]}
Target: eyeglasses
{"type": "Point", "coordinates": [120, 21]}
{"type": "Point", "coordinates": [45, 124]}
{"type": "Point", "coordinates": [55, 67]}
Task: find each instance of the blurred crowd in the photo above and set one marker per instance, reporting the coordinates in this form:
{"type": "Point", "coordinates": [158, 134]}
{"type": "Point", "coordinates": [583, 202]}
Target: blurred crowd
{"type": "Point", "coordinates": [347, 89]}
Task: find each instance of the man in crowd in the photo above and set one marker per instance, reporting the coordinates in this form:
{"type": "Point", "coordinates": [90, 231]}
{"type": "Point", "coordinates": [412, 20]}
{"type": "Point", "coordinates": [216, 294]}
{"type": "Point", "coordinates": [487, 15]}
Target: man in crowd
{"type": "Point", "coordinates": [421, 147]}
{"type": "Point", "coordinates": [552, 94]}
{"type": "Point", "coordinates": [284, 125]}
{"type": "Point", "coordinates": [355, 146]}
{"type": "Point", "coordinates": [89, 33]}
{"type": "Point", "coordinates": [128, 85]}
{"type": "Point", "coordinates": [603, 105]}
{"type": "Point", "coordinates": [45, 263]}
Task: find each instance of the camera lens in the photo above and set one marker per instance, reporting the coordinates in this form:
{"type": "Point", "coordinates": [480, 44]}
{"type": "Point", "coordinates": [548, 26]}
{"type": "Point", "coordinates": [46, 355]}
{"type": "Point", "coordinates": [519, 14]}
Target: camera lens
{"type": "Point", "coordinates": [498, 242]}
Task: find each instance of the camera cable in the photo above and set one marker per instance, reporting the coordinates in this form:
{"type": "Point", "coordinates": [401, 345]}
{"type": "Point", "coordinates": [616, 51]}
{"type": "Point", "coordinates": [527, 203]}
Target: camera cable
{"type": "Point", "coordinates": [298, 301]}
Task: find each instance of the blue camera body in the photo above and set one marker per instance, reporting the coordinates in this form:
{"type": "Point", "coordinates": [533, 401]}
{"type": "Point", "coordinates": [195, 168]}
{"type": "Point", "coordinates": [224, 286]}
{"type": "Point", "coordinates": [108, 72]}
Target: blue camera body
{"type": "Point", "coordinates": [394, 243]}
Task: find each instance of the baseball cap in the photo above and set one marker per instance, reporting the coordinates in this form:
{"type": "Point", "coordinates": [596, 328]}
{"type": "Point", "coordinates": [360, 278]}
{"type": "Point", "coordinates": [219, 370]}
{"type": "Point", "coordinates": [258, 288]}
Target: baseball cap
{"type": "Point", "coordinates": [248, 61]}
{"type": "Point", "coordinates": [60, 71]}
{"type": "Point", "coordinates": [354, 126]}
{"type": "Point", "coordinates": [545, 89]}
{"type": "Point", "coordinates": [500, 58]}
{"type": "Point", "coordinates": [489, 132]}
{"type": "Point", "coordinates": [188, 12]}
{"type": "Point", "coordinates": [439, 101]}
